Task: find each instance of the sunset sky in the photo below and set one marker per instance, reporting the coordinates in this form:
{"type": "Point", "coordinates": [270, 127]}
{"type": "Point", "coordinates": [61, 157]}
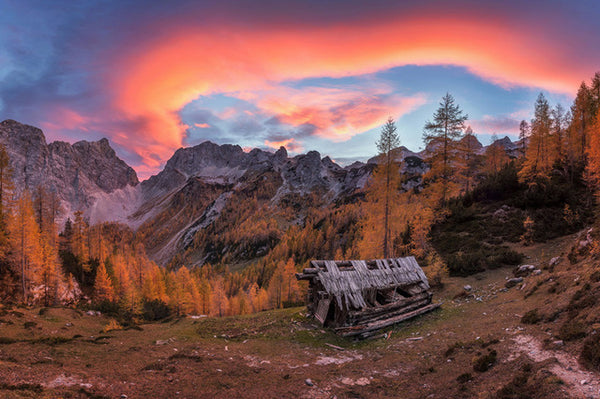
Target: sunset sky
{"type": "Point", "coordinates": [310, 75]}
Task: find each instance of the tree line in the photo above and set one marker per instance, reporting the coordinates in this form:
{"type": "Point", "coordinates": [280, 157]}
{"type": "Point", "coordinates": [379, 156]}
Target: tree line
{"type": "Point", "coordinates": [555, 145]}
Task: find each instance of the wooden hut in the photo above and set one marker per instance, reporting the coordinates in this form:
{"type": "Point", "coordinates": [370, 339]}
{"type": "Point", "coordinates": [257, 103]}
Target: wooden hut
{"type": "Point", "coordinates": [359, 297]}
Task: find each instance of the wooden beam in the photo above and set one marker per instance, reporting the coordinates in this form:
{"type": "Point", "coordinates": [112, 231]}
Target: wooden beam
{"type": "Point", "coordinates": [390, 306]}
{"type": "Point", "coordinates": [302, 276]}
{"type": "Point", "coordinates": [360, 330]}
{"type": "Point", "coordinates": [406, 309]}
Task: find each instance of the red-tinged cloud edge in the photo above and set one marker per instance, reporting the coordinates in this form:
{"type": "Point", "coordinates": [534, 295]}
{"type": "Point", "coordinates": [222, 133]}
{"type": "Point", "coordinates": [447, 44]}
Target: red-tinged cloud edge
{"type": "Point", "coordinates": [289, 144]}
{"type": "Point", "coordinates": [337, 114]}
{"type": "Point", "coordinates": [158, 78]}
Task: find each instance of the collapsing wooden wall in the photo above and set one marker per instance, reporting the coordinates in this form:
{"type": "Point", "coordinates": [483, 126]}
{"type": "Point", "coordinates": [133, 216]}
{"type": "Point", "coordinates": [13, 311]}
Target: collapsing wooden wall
{"type": "Point", "coordinates": [359, 297]}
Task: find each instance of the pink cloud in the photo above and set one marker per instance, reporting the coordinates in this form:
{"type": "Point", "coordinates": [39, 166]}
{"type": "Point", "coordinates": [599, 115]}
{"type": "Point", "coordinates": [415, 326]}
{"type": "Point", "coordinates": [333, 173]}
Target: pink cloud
{"type": "Point", "coordinates": [336, 113]}
{"type": "Point", "coordinates": [290, 145]}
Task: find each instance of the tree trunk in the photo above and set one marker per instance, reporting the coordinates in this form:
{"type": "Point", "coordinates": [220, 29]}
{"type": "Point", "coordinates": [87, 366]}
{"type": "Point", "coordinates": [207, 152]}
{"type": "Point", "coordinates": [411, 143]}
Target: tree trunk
{"type": "Point", "coordinates": [387, 209]}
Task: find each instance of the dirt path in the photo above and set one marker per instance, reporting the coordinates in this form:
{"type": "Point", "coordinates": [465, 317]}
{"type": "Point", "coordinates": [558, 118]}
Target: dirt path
{"type": "Point", "coordinates": [582, 383]}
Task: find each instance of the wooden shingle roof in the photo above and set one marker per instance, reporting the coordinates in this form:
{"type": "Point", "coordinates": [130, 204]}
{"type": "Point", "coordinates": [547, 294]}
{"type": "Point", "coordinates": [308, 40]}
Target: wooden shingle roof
{"type": "Point", "coordinates": [348, 281]}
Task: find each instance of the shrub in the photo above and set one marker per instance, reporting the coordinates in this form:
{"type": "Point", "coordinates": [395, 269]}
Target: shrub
{"type": "Point", "coordinates": [464, 378]}
{"type": "Point", "coordinates": [572, 330]}
{"type": "Point", "coordinates": [531, 317]}
{"type": "Point", "coordinates": [112, 325]}
{"type": "Point", "coordinates": [452, 348]}
{"type": "Point", "coordinates": [582, 299]}
{"type": "Point", "coordinates": [465, 264]}
{"type": "Point", "coordinates": [590, 353]}
{"type": "Point", "coordinates": [155, 310]}
{"type": "Point", "coordinates": [484, 362]}
{"type": "Point", "coordinates": [108, 307]}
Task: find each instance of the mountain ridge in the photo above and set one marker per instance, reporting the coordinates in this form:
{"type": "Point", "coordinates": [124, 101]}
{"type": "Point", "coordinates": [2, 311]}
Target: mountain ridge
{"type": "Point", "coordinates": [198, 182]}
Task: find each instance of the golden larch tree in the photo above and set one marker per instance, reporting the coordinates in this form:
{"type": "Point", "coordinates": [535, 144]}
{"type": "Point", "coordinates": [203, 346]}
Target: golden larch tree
{"type": "Point", "coordinates": [25, 237]}
{"type": "Point", "coordinates": [103, 289]}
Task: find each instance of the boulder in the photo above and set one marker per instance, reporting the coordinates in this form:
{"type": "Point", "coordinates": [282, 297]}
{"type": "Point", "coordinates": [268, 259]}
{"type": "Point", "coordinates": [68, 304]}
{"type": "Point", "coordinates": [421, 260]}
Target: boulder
{"type": "Point", "coordinates": [513, 282]}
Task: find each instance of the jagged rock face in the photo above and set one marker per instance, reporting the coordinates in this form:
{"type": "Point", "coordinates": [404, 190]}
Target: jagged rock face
{"type": "Point", "coordinates": [305, 173]}
{"type": "Point", "coordinates": [77, 173]}
{"type": "Point", "coordinates": [231, 174]}
{"type": "Point", "coordinates": [207, 160]}
{"type": "Point", "coordinates": [28, 152]}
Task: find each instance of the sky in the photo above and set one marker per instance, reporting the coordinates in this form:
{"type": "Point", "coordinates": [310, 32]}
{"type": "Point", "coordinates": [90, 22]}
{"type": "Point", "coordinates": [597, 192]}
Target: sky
{"type": "Point", "coordinates": [309, 75]}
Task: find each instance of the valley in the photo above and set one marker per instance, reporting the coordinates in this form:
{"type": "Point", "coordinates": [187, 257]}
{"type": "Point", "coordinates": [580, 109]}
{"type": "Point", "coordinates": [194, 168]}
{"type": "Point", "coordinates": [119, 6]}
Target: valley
{"type": "Point", "coordinates": [50, 352]}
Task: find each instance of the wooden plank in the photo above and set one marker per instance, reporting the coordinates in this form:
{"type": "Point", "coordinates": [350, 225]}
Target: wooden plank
{"type": "Point", "coordinates": [391, 306]}
{"type": "Point", "coordinates": [302, 276]}
{"type": "Point", "coordinates": [322, 310]}
{"type": "Point", "coordinates": [358, 330]}
{"type": "Point", "coordinates": [397, 312]}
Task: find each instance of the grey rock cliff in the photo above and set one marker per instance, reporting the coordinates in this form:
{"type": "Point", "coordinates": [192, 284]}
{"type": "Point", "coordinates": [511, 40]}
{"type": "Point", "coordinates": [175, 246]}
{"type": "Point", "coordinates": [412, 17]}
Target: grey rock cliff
{"type": "Point", "coordinates": [77, 173]}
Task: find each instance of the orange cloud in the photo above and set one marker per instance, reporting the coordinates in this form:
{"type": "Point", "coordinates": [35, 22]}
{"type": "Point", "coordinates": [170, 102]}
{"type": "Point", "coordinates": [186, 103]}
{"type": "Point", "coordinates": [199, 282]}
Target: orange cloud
{"type": "Point", "coordinates": [290, 144]}
{"type": "Point", "coordinates": [336, 113]}
{"type": "Point", "coordinates": [202, 125]}
{"type": "Point", "coordinates": [156, 80]}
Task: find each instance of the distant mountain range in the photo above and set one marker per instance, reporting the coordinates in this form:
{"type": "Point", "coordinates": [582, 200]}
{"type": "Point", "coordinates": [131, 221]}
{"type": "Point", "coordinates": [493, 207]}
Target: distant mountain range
{"type": "Point", "coordinates": [194, 187]}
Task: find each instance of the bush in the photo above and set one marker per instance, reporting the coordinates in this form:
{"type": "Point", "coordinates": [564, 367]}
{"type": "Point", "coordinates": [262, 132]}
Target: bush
{"type": "Point", "coordinates": [155, 310]}
{"type": "Point", "coordinates": [465, 264]}
{"type": "Point", "coordinates": [464, 378]}
{"type": "Point", "coordinates": [590, 353]}
{"type": "Point", "coordinates": [531, 317]}
{"type": "Point", "coordinates": [108, 307]}
{"type": "Point", "coordinates": [572, 330]}
{"type": "Point", "coordinates": [484, 362]}
{"type": "Point", "coordinates": [582, 299]}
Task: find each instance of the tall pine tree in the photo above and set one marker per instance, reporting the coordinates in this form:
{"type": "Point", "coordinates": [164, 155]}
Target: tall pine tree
{"type": "Point", "coordinates": [387, 142]}
{"type": "Point", "coordinates": [441, 139]}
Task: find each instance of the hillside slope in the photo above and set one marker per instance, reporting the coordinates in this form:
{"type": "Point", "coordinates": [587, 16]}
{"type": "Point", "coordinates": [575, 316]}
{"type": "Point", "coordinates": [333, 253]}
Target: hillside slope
{"type": "Point", "coordinates": [476, 346]}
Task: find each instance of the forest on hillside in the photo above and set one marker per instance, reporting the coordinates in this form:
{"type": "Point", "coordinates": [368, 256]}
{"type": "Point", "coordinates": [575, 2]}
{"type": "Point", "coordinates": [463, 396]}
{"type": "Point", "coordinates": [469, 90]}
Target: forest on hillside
{"type": "Point", "coordinates": [458, 221]}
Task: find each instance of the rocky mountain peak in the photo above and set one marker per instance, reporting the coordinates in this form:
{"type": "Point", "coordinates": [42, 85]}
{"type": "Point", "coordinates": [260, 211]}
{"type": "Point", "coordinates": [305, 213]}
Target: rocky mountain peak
{"type": "Point", "coordinates": [505, 142]}
{"type": "Point", "coordinates": [78, 173]}
{"type": "Point", "coordinates": [281, 153]}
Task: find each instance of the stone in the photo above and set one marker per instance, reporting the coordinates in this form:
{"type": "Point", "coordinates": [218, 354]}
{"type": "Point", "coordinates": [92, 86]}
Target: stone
{"type": "Point", "coordinates": [309, 382]}
{"type": "Point", "coordinates": [513, 282]}
{"type": "Point", "coordinates": [467, 288]}
{"type": "Point", "coordinates": [524, 270]}
{"type": "Point", "coordinates": [554, 261]}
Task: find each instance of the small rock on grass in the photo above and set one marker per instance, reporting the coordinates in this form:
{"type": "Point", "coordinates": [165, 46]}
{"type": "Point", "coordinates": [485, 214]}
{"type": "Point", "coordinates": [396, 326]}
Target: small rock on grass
{"type": "Point", "coordinates": [513, 281]}
{"type": "Point", "coordinates": [309, 382]}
